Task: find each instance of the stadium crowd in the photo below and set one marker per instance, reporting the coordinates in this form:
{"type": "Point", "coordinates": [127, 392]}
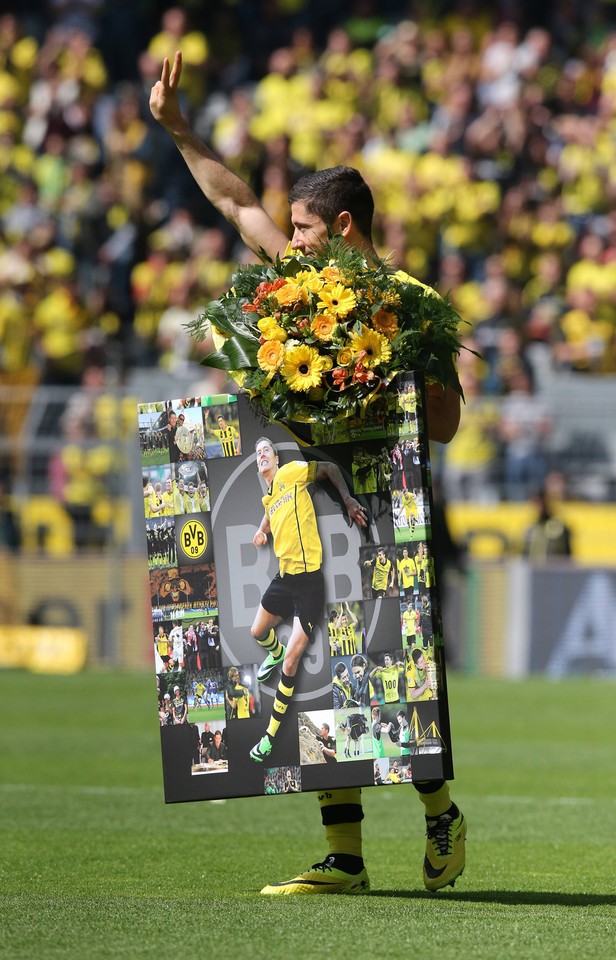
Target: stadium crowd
{"type": "Point", "coordinates": [487, 133]}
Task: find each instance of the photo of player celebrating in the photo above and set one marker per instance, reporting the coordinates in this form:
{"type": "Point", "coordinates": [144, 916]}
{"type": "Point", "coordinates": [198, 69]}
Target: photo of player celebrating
{"type": "Point", "coordinates": [297, 590]}
{"type": "Point", "coordinates": [382, 582]}
{"type": "Point", "coordinates": [226, 440]}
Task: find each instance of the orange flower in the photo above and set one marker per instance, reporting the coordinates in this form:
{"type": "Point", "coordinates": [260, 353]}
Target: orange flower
{"type": "Point", "coordinates": [339, 377]}
{"type": "Point", "coordinates": [386, 323]}
{"type": "Point", "coordinates": [323, 326]}
{"type": "Point", "coordinates": [270, 355]}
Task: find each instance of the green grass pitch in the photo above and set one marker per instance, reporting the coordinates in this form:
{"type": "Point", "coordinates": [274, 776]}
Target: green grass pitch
{"type": "Point", "coordinates": [94, 865]}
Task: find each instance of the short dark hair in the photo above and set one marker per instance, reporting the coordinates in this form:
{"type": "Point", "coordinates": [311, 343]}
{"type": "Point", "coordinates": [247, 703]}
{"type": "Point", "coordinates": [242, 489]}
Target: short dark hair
{"type": "Point", "coordinates": [268, 441]}
{"type": "Point", "coordinates": [327, 193]}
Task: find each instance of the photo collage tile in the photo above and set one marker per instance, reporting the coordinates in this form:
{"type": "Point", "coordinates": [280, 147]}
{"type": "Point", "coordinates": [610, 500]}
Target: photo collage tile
{"type": "Point", "coordinates": [369, 705]}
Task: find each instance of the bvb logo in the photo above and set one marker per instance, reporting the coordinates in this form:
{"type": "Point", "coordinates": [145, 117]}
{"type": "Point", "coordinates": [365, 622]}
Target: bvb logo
{"type": "Point", "coordinates": [194, 539]}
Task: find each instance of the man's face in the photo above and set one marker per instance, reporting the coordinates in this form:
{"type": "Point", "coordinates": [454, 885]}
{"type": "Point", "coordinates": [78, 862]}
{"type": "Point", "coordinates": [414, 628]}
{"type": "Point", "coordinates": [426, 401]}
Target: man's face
{"type": "Point", "coordinates": [405, 553]}
{"type": "Point", "coordinates": [421, 662]}
{"type": "Point", "coordinates": [387, 660]}
{"type": "Point", "coordinates": [309, 231]}
{"type": "Point", "coordinates": [266, 458]}
{"type": "Point", "coordinates": [344, 676]}
{"type": "Point", "coordinates": [217, 738]}
{"type": "Point", "coordinates": [324, 732]}
{"type": "Point", "coordinates": [172, 419]}
{"type": "Point", "coordinates": [358, 672]}
{"type": "Point", "coordinates": [191, 489]}
{"type": "Point", "coordinates": [169, 486]}
{"type": "Point", "coordinates": [381, 556]}
{"type": "Point", "coordinates": [221, 422]}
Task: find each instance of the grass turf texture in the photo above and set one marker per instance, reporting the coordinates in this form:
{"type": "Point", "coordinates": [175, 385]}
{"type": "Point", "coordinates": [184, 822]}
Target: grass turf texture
{"type": "Point", "coordinates": [94, 865]}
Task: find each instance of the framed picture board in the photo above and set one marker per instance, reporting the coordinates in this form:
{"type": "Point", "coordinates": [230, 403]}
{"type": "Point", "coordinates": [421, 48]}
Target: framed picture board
{"type": "Point", "coordinates": [368, 705]}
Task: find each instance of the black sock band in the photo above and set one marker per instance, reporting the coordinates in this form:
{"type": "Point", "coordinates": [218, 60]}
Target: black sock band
{"type": "Point", "coordinates": [342, 813]}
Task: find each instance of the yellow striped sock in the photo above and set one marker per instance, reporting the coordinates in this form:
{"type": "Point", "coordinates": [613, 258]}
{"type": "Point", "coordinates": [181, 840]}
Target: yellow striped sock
{"type": "Point", "coordinates": [272, 644]}
{"type": "Point", "coordinates": [342, 813]}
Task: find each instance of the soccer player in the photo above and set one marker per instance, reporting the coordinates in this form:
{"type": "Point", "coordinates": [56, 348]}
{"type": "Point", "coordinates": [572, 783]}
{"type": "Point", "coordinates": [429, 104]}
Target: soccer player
{"type": "Point", "coordinates": [176, 639]}
{"type": "Point", "coordinates": [362, 688]}
{"type": "Point", "coordinates": [383, 574]}
{"type": "Point", "coordinates": [342, 688]}
{"type": "Point", "coordinates": [237, 697]}
{"type": "Point", "coordinates": [226, 434]}
{"type": "Point", "coordinates": [409, 622]}
{"type": "Point", "coordinates": [378, 729]}
{"type": "Point", "coordinates": [409, 508]}
{"type": "Point", "coordinates": [418, 683]}
{"type": "Point", "coordinates": [327, 744]}
{"type": "Point", "coordinates": [346, 622]}
{"type": "Point", "coordinates": [297, 590]}
{"type": "Point", "coordinates": [167, 498]}
{"type": "Point", "coordinates": [407, 574]}
{"type": "Point", "coordinates": [389, 675]}
{"type": "Point", "coordinates": [163, 647]}
{"type": "Point", "coordinates": [339, 201]}
{"type": "Point", "coordinates": [179, 707]}
{"type": "Point", "coordinates": [332, 634]}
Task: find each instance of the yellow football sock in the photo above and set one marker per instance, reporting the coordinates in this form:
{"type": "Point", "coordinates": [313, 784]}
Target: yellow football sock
{"type": "Point", "coordinates": [437, 802]}
{"type": "Point", "coordinates": [342, 813]}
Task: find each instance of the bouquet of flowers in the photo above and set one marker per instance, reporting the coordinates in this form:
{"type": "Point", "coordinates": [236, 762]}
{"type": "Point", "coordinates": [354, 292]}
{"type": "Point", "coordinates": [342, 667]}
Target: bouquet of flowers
{"type": "Point", "coordinates": [316, 339]}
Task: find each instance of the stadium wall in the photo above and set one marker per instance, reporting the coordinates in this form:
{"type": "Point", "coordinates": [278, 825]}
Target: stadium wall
{"type": "Point", "coordinates": [502, 618]}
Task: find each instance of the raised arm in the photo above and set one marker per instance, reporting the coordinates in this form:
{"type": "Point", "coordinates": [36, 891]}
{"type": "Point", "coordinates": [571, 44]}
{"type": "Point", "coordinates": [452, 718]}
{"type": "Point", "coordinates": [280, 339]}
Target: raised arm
{"type": "Point", "coordinates": [227, 192]}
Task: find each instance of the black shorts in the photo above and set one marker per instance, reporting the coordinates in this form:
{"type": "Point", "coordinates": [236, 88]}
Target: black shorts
{"type": "Point", "coordinates": [300, 595]}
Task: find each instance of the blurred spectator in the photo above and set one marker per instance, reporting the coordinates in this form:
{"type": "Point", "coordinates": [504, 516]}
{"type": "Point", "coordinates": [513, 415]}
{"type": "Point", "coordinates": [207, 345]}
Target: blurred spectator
{"type": "Point", "coordinates": [524, 427]}
{"type": "Point", "coordinates": [548, 536]}
{"type": "Point", "coordinates": [487, 139]}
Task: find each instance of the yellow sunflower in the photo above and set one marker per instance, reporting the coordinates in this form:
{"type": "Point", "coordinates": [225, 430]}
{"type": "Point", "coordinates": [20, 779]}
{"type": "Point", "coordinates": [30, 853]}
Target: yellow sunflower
{"type": "Point", "coordinates": [303, 367]}
{"type": "Point", "coordinates": [270, 355]}
{"type": "Point", "coordinates": [271, 329]}
{"type": "Point", "coordinates": [337, 300]}
{"type": "Point", "coordinates": [323, 326]}
{"type": "Point", "coordinates": [371, 347]}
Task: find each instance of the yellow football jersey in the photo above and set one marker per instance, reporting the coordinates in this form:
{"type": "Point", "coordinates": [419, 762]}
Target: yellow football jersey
{"type": "Point", "coordinates": [293, 521]}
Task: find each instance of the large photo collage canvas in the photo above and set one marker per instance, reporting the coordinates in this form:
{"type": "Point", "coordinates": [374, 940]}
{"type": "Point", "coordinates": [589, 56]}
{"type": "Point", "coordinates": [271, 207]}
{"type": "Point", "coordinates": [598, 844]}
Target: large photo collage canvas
{"type": "Point", "coordinates": [234, 508]}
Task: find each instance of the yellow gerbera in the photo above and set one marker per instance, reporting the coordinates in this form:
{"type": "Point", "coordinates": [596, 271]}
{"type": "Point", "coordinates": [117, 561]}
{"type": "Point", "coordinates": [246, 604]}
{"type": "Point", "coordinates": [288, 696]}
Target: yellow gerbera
{"type": "Point", "coordinates": [337, 300]}
{"type": "Point", "coordinates": [323, 326]}
{"type": "Point", "coordinates": [303, 368]}
{"type": "Point", "coordinates": [332, 274]}
{"type": "Point", "coordinates": [386, 323]}
{"type": "Point", "coordinates": [270, 355]}
{"type": "Point", "coordinates": [289, 294]}
{"type": "Point", "coordinates": [373, 347]}
{"type": "Point", "coordinates": [271, 329]}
